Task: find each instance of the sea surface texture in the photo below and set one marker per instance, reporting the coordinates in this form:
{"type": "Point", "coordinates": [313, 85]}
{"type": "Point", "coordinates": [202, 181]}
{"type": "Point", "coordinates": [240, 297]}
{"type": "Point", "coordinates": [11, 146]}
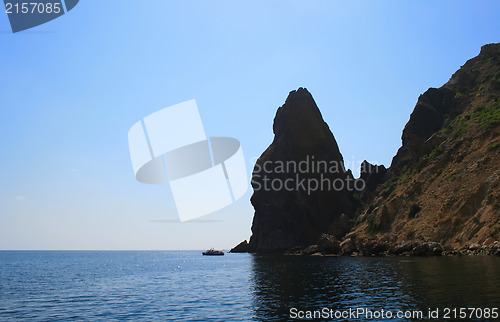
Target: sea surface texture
{"type": "Point", "coordinates": [184, 285]}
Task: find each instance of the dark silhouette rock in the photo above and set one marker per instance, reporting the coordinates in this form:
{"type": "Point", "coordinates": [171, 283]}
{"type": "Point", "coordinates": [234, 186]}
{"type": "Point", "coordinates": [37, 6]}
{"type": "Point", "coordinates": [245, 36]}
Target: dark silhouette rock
{"type": "Point", "coordinates": [305, 156]}
{"type": "Point", "coordinates": [240, 248]}
{"type": "Point", "coordinates": [372, 174]}
{"type": "Point", "coordinates": [297, 250]}
{"type": "Point", "coordinates": [328, 244]}
{"type": "Point", "coordinates": [310, 250]}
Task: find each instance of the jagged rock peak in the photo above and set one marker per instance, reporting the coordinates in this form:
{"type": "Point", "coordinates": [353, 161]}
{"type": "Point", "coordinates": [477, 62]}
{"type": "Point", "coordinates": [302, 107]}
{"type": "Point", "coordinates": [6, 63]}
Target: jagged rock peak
{"type": "Point", "coordinates": [286, 218]}
{"type": "Point", "coordinates": [299, 124]}
{"type": "Point", "coordinates": [299, 109]}
{"type": "Point", "coordinates": [372, 174]}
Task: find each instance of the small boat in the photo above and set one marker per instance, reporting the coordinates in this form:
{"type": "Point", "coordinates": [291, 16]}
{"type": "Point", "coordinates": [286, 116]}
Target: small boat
{"type": "Point", "coordinates": [212, 251]}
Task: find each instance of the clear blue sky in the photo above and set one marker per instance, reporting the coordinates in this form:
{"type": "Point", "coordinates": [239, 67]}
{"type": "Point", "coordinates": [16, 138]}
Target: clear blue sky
{"type": "Point", "coordinates": [73, 87]}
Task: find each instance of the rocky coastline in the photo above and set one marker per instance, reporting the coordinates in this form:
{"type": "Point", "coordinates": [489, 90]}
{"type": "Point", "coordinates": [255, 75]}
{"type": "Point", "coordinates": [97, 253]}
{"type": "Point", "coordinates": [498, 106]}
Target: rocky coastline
{"type": "Point", "coordinates": [351, 246]}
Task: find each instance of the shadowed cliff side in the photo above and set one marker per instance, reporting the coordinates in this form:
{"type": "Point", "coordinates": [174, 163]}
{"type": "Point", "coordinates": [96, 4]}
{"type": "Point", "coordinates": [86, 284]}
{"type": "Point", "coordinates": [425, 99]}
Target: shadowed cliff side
{"type": "Point", "coordinates": [303, 153]}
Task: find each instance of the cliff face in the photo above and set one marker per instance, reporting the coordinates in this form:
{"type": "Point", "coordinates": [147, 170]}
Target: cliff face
{"type": "Point", "coordinates": [441, 192]}
{"type": "Point", "coordinates": [295, 199]}
{"type": "Point", "coordinates": [443, 185]}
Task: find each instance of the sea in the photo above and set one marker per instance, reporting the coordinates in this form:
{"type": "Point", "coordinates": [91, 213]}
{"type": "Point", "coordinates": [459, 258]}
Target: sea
{"type": "Point", "coordinates": [186, 286]}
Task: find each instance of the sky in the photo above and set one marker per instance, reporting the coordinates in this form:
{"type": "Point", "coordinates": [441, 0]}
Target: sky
{"type": "Point", "coordinates": [72, 88]}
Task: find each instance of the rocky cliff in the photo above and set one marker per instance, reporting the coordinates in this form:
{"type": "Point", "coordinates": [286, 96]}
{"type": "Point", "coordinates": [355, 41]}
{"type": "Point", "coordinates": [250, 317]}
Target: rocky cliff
{"type": "Point", "coordinates": [443, 184]}
{"type": "Point", "coordinates": [294, 196]}
{"type": "Point", "coordinates": [440, 194]}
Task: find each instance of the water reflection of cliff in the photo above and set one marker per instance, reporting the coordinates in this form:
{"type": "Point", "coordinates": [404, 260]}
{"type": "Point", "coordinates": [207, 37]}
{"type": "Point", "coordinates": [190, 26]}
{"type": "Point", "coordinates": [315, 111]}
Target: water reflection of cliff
{"type": "Point", "coordinates": [452, 281]}
{"type": "Point", "coordinates": [311, 283]}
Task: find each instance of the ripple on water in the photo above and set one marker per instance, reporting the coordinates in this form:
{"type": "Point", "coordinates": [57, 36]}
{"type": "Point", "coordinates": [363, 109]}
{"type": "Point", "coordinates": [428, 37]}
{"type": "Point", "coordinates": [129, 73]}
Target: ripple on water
{"type": "Point", "coordinates": [188, 286]}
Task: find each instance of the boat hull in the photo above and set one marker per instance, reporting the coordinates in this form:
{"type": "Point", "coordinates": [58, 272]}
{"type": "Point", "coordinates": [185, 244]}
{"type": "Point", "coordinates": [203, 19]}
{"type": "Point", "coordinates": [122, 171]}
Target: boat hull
{"type": "Point", "coordinates": [213, 254]}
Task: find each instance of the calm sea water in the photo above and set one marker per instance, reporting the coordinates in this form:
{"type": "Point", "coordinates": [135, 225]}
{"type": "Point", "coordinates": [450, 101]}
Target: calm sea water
{"type": "Point", "coordinates": [175, 285]}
